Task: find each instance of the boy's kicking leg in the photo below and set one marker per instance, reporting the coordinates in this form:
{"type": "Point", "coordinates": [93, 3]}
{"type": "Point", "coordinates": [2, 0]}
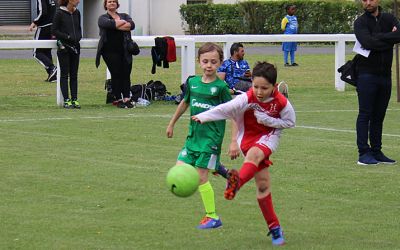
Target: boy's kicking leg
{"type": "Point", "coordinates": [264, 198]}
{"type": "Point", "coordinates": [249, 168]}
{"type": "Point", "coordinates": [238, 179]}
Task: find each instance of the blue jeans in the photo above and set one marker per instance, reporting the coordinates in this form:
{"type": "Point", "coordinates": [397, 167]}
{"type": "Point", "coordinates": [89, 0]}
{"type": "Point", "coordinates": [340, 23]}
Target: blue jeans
{"type": "Point", "coordinates": [373, 98]}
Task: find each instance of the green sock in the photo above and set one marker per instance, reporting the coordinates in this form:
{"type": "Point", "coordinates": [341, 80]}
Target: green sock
{"type": "Point", "coordinates": [207, 195]}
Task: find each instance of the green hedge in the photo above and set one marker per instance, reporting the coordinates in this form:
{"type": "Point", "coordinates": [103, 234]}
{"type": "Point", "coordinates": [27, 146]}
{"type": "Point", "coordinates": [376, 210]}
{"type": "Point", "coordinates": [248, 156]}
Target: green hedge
{"type": "Point", "coordinates": [255, 17]}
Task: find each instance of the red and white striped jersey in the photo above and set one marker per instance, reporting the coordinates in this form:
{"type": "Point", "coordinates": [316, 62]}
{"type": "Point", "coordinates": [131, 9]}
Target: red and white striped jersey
{"type": "Point", "coordinates": [241, 110]}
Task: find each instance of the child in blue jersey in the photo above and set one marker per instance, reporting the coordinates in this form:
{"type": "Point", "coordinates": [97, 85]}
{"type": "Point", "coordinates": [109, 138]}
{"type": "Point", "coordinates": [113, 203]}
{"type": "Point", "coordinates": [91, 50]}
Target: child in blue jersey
{"type": "Point", "coordinates": [289, 26]}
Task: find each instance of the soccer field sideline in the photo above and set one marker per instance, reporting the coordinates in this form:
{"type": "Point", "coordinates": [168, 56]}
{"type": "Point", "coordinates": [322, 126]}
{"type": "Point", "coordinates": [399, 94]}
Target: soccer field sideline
{"type": "Point", "coordinates": [186, 115]}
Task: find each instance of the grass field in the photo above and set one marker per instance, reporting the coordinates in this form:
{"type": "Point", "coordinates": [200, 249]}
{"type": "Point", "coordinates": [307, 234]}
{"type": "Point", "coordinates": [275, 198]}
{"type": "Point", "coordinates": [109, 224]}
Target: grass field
{"type": "Point", "coordinates": [95, 178]}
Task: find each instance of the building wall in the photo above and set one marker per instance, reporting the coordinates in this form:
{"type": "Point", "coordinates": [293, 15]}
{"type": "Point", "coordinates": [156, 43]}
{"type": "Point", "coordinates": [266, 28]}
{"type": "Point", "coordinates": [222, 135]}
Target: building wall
{"type": "Point", "coordinates": [225, 1]}
{"type": "Point", "coordinates": [141, 16]}
{"type": "Point", "coordinates": [152, 17]}
{"type": "Point", "coordinates": [92, 9]}
{"type": "Point", "coordinates": [165, 17]}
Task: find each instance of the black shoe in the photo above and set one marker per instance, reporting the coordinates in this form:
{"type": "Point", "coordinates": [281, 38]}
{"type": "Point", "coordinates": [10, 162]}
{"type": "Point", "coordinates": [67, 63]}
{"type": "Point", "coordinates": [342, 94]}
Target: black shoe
{"type": "Point", "coordinates": [121, 104]}
{"type": "Point", "coordinates": [287, 65]}
{"type": "Point", "coordinates": [295, 64]}
{"type": "Point", "coordinates": [52, 75]}
{"type": "Point", "coordinates": [381, 158]}
{"type": "Point", "coordinates": [125, 105]}
{"type": "Point", "coordinates": [129, 105]}
{"type": "Point", "coordinates": [53, 79]}
{"type": "Point", "coordinates": [367, 159]}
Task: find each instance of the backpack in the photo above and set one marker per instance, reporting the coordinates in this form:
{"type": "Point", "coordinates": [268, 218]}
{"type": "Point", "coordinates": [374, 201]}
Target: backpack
{"type": "Point", "coordinates": [348, 71]}
{"type": "Point", "coordinates": [153, 90]}
{"type": "Point", "coordinates": [183, 87]}
{"type": "Point", "coordinates": [158, 90]}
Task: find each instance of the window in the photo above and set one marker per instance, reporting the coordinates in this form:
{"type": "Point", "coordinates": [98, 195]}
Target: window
{"type": "Point", "coordinates": [198, 1]}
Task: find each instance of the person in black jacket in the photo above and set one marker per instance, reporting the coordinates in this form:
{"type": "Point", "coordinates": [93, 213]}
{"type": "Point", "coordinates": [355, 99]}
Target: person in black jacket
{"type": "Point", "coordinates": [114, 28]}
{"type": "Point", "coordinates": [43, 22]}
{"type": "Point", "coordinates": [68, 32]}
{"type": "Point", "coordinates": [377, 32]}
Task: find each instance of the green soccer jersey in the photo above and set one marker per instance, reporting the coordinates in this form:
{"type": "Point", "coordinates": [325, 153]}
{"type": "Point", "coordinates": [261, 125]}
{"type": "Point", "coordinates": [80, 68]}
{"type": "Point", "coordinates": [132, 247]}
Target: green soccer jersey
{"type": "Point", "coordinates": [201, 96]}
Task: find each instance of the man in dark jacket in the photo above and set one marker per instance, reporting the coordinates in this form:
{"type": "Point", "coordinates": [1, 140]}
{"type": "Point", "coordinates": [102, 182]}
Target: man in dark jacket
{"type": "Point", "coordinates": [377, 32]}
{"type": "Point", "coordinates": [43, 22]}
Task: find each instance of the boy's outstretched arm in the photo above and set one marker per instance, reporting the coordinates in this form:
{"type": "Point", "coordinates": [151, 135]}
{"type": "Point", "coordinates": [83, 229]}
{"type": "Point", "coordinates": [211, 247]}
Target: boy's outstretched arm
{"type": "Point", "coordinates": [287, 119]}
{"type": "Point", "coordinates": [227, 110]}
{"type": "Point", "coordinates": [234, 149]}
{"type": "Point", "coordinates": [182, 107]}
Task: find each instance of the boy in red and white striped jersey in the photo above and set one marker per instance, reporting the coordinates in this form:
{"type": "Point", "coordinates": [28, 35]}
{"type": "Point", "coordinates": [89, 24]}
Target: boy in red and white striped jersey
{"type": "Point", "coordinates": [259, 115]}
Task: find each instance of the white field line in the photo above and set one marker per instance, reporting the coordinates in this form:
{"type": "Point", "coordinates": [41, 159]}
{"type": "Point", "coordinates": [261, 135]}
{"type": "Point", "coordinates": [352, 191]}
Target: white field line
{"type": "Point", "coordinates": [154, 115]}
{"type": "Point", "coordinates": [169, 116]}
{"type": "Point", "coordinates": [86, 117]}
{"type": "Point", "coordinates": [335, 110]}
{"type": "Point", "coordinates": [339, 130]}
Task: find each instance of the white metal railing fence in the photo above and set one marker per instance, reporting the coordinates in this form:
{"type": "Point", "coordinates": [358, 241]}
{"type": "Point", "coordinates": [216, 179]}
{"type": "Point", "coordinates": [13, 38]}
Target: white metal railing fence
{"type": "Point", "coordinates": [187, 45]}
{"type": "Point", "coordinates": [339, 40]}
{"type": "Point", "coordinates": [188, 49]}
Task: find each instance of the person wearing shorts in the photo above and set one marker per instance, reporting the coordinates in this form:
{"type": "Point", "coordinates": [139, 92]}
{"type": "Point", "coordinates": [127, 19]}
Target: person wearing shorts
{"type": "Point", "coordinates": [260, 114]}
{"type": "Point", "coordinates": [203, 143]}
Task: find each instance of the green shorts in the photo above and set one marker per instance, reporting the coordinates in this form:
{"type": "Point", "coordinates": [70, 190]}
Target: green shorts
{"type": "Point", "coordinates": [199, 159]}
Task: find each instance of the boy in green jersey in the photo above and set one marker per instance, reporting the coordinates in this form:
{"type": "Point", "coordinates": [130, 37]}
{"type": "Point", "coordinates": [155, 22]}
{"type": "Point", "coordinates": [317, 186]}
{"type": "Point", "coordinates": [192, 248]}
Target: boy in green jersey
{"type": "Point", "coordinates": [202, 148]}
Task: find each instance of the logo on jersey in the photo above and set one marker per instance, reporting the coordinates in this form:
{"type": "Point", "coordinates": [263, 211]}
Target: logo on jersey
{"type": "Point", "coordinates": [257, 107]}
{"type": "Point", "coordinates": [272, 111]}
{"type": "Point", "coordinates": [184, 153]}
{"type": "Point", "coordinates": [197, 104]}
{"type": "Point", "coordinates": [213, 90]}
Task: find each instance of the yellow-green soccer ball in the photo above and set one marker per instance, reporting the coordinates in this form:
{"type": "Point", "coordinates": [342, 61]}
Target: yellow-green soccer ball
{"type": "Point", "coordinates": [183, 180]}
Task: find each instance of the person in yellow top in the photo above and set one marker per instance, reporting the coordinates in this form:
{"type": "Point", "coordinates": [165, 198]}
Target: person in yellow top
{"type": "Point", "coordinates": [289, 26]}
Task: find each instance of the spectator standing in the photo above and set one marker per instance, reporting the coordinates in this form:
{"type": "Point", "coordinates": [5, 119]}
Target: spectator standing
{"type": "Point", "coordinates": [289, 26]}
{"type": "Point", "coordinates": [377, 32]}
{"type": "Point", "coordinates": [43, 21]}
{"type": "Point", "coordinates": [68, 32]}
{"type": "Point", "coordinates": [235, 68]}
{"type": "Point", "coordinates": [114, 27]}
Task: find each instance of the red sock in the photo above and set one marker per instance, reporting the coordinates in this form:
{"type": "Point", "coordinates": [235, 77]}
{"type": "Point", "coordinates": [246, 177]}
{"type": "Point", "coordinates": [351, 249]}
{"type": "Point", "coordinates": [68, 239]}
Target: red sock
{"type": "Point", "coordinates": [268, 212]}
{"type": "Point", "coordinates": [247, 172]}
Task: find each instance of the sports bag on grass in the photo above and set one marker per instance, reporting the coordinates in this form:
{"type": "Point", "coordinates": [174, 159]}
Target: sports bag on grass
{"type": "Point", "coordinates": [153, 90]}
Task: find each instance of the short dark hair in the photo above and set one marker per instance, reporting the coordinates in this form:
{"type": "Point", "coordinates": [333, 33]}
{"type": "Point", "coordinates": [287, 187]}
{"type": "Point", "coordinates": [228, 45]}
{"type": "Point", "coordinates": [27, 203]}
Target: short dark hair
{"type": "Point", "coordinates": [235, 47]}
{"type": "Point", "coordinates": [63, 2]}
{"type": "Point", "coordinates": [265, 70]}
{"type": "Point", "coordinates": [105, 4]}
{"type": "Point", "coordinates": [208, 47]}
{"type": "Point", "coordinates": [288, 6]}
